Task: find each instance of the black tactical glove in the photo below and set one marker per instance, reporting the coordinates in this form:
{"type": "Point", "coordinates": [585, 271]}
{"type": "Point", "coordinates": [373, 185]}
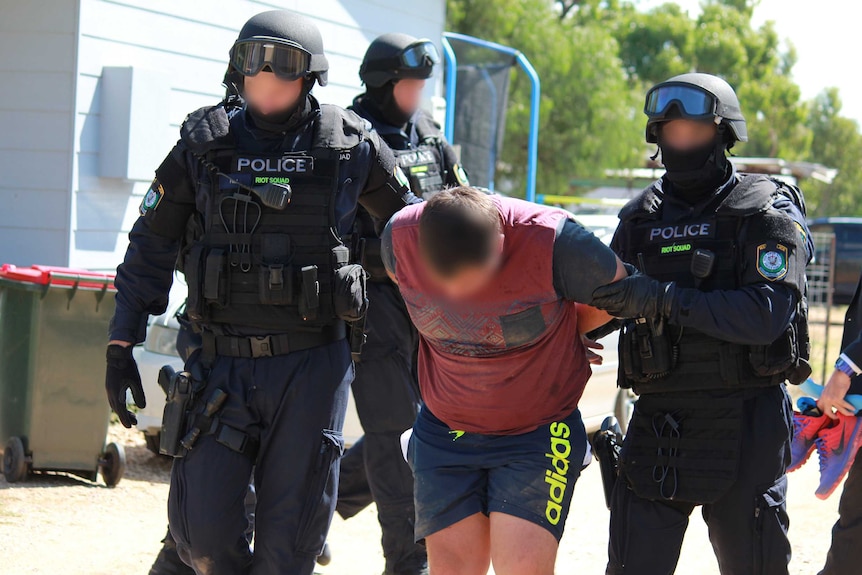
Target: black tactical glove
{"type": "Point", "coordinates": [635, 296]}
{"type": "Point", "coordinates": [122, 374]}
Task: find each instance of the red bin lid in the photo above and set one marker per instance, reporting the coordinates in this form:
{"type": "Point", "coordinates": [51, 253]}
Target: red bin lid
{"type": "Point", "coordinates": [51, 275]}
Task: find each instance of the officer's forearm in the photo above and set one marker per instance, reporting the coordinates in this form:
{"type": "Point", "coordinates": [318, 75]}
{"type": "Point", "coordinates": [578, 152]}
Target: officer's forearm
{"type": "Point", "coordinates": [752, 315]}
{"type": "Point", "coordinates": [853, 351]}
{"type": "Point", "coordinates": [143, 282]}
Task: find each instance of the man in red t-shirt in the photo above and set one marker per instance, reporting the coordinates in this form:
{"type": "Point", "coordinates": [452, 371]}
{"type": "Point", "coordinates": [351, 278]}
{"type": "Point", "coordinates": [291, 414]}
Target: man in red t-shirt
{"type": "Point", "coordinates": [497, 288]}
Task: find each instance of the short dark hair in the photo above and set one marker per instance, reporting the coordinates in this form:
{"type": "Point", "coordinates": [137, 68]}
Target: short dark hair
{"type": "Point", "coordinates": [458, 228]}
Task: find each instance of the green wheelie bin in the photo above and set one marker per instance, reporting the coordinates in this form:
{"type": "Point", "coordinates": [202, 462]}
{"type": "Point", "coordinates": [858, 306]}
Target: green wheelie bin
{"type": "Point", "coordinates": [53, 411]}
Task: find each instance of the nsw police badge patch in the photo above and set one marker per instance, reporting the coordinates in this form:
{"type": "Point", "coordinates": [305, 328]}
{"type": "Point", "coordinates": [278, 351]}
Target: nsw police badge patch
{"type": "Point", "coordinates": [772, 261]}
{"type": "Point", "coordinates": [152, 198]}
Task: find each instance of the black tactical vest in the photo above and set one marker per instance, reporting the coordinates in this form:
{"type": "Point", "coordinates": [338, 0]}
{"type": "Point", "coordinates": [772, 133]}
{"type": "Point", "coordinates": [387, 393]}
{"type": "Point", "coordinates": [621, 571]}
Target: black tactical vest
{"type": "Point", "coordinates": [418, 149]}
{"type": "Point", "coordinates": [424, 164]}
{"type": "Point", "coordinates": [265, 268]}
{"type": "Point", "coordinates": [665, 250]}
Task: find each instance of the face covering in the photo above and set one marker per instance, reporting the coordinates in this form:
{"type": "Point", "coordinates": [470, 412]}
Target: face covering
{"type": "Point", "coordinates": [696, 173]}
{"type": "Point", "coordinates": [285, 120]}
{"type": "Point", "coordinates": [382, 103]}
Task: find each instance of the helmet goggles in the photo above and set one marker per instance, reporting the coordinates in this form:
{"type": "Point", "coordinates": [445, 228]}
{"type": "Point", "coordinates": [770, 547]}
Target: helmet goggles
{"type": "Point", "coordinates": [421, 54]}
{"type": "Point", "coordinates": [286, 60]}
{"type": "Point", "coordinates": [692, 102]}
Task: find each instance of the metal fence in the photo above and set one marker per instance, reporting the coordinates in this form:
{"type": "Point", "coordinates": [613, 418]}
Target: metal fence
{"type": "Point", "coordinates": [821, 283]}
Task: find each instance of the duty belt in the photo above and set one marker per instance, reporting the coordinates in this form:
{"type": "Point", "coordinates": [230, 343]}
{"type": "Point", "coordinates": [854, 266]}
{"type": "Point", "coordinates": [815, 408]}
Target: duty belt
{"type": "Point", "coordinates": [272, 345]}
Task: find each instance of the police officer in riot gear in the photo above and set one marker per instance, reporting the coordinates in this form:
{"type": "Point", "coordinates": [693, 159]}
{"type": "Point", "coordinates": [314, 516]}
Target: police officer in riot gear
{"type": "Point", "coordinates": [716, 324]}
{"type": "Point", "coordinates": [394, 71]}
{"type": "Point", "coordinates": [258, 199]}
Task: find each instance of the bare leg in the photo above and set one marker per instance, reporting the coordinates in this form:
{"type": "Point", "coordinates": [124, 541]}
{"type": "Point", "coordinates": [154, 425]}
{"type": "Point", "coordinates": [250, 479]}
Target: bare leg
{"type": "Point", "coordinates": [519, 547]}
{"type": "Point", "coordinates": [461, 549]}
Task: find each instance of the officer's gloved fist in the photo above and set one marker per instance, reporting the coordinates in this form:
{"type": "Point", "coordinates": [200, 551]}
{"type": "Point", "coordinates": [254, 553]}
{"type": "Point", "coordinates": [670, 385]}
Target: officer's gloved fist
{"type": "Point", "coordinates": [122, 374]}
{"type": "Point", "coordinates": [635, 296]}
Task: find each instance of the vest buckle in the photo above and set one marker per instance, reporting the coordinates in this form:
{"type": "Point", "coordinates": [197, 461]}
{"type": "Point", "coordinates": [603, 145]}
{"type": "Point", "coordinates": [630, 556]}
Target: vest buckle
{"type": "Point", "coordinates": [261, 346]}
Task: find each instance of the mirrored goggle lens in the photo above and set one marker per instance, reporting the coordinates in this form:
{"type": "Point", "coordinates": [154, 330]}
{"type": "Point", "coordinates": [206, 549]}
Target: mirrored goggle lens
{"type": "Point", "coordinates": [693, 102]}
{"type": "Point", "coordinates": [421, 55]}
{"type": "Point", "coordinates": [286, 62]}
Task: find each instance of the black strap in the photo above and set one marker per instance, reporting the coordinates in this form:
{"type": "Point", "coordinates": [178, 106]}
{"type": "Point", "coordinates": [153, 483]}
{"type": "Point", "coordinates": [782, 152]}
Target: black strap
{"type": "Point", "coordinates": [279, 344]}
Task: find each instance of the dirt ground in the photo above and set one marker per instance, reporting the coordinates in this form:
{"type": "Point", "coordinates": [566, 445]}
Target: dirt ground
{"type": "Point", "coordinates": [60, 524]}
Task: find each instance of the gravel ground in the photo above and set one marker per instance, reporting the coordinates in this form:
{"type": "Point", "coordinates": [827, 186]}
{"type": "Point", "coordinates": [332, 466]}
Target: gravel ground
{"type": "Point", "coordinates": [61, 524]}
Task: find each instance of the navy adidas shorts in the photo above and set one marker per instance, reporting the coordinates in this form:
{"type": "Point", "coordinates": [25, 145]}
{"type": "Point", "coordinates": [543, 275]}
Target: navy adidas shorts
{"type": "Point", "coordinates": [531, 476]}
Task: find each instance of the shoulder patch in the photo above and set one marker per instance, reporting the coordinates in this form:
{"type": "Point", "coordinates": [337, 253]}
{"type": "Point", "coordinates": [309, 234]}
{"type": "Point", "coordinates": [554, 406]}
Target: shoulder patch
{"type": "Point", "coordinates": [460, 175]}
{"type": "Point", "coordinates": [400, 177]}
{"type": "Point", "coordinates": [152, 198]}
{"type": "Point", "coordinates": [772, 261]}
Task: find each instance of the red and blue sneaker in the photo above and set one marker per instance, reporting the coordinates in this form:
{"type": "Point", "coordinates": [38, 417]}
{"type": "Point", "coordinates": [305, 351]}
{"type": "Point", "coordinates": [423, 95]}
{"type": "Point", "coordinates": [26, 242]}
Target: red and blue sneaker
{"type": "Point", "coordinates": [806, 427]}
{"type": "Point", "coordinates": [837, 446]}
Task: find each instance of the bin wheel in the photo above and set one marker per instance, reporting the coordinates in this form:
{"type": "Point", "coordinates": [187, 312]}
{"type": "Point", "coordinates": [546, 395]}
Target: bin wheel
{"type": "Point", "coordinates": [113, 464]}
{"type": "Point", "coordinates": [14, 460]}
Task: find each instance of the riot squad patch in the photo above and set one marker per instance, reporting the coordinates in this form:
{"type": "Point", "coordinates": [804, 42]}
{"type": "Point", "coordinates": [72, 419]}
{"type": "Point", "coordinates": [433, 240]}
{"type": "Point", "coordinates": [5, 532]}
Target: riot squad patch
{"type": "Point", "coordinates": [460, 175]}
{"type": "Point", "coordinates": [772, 261]}
{"type": "Point", "coordinates": [152, 198]}
{"type": "Point", "coordinates": [400, 177]}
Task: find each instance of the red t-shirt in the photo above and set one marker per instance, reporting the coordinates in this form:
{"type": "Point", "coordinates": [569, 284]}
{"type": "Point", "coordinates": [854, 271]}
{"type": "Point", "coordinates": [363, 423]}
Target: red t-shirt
{"type": "Point", "coordinates": [511, 358]}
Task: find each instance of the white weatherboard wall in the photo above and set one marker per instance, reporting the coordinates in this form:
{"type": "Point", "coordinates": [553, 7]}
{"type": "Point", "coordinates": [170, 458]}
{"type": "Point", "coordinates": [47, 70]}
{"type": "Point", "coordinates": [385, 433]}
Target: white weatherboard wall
{"type": "Point", "coordinates": [37, 64]}
{"type": "Point", "coordinates": [187, 41]}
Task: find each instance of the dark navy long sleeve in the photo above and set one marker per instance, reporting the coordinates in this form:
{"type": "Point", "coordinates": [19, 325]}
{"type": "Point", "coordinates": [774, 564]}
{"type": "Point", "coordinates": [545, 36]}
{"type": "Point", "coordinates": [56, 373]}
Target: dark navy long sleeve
{"type": "Point", "coordinates": [755, 314]}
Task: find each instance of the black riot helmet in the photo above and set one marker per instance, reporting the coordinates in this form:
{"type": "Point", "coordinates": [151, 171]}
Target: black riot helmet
{"type": "Point", "coordinates": [395, 56]}
{"type": "Point", "coordinates": [695, 96]}
{"type": "Point", "coordinates": [286, 43]}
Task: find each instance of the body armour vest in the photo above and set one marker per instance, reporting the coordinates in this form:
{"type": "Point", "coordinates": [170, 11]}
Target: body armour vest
{"type": "Point", "coordinates": [423, 164]}
{"type": "Point", "coordinates": [511, 358]}
{"type": "Point", "coordinates": [417, 149]}
{"type": "Point", "coordinates": [739, 220]}
{"type": "Point", "coordinates": [267, 248]}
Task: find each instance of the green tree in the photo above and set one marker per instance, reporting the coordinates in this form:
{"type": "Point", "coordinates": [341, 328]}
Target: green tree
{"type": "Point", "coordinates": [836, 143]}
{"type": "Point", "coordinates": [587, 107]}
{"type": "Point", "coordinates": [665, 41]}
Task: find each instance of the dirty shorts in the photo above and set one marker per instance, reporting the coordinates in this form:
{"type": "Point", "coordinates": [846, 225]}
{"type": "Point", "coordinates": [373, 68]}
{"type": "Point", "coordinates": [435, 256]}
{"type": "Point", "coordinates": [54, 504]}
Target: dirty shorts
{"type": "Point", "coordinates": [531, 475]}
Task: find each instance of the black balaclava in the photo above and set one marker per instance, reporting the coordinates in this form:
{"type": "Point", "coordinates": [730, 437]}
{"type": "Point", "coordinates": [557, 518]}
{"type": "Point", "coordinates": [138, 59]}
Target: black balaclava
{"type": "Point", "coordinates": [287, 120]}
{"type": "Point", "coordinates": [381, 103]}
{"type": "Point", "coordinates": [697, 173]}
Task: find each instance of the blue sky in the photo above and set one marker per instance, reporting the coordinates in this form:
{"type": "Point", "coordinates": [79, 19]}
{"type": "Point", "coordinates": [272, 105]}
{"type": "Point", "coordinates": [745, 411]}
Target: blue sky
{"type": "Point", "coordinates": [828, 39]}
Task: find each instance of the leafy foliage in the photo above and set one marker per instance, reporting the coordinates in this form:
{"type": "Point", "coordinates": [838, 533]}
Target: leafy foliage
{"type": "Point", "coordinates": [597, 58]}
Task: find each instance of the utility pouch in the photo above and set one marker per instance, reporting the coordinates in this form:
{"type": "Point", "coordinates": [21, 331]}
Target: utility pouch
{"type": "Point", "coordinates": [357, 338]}
{"type": "Point", "coordinates": [647, 352]}
{"type": "Point", "coordinates": [276, 275]}
{"type": "Point", "coordinates": [180, 395]}
{"type": "Point", "coordinates": [350, 295]}
{"type": "Point", "coordinates": [215, 284]}
{"type": "Point", "coordinates": [775, 358]}
{"type": "Point", "coordinates": [309, 301]}
{"type": "Point", "coordinates": [683, 449]}
{"type": "Point", "coordinates": [788, 355]}
{"type": "Point", "coordinates": [194, 272]}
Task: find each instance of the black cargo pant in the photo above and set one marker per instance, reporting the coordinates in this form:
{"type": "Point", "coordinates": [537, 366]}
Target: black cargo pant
{"type": "Point", "coordinates": [294, 405]}
{"type": "Point", "coordinates": [387, 401]}
{"type": "Point", "coordinates": [845, 555]}
{"type": "Point", "coordinates": [747, 525]}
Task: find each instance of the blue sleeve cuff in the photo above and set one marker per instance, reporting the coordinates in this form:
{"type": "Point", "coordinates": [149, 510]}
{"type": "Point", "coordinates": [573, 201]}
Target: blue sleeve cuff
{"type": "Point", "coordinates": [128, 326]}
